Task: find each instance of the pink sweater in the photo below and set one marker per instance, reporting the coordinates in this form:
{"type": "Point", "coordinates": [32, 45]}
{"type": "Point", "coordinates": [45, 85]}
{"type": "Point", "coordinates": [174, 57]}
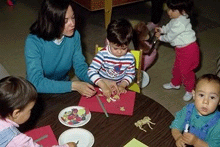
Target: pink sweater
{"type": "Point", "coordinates": [21, 139]}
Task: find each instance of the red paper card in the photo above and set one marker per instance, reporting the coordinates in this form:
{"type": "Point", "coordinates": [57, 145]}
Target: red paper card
{"type": "Point", "coordinates": [39, 132]}
{"type": "Point", "coordinates": [126, 100]}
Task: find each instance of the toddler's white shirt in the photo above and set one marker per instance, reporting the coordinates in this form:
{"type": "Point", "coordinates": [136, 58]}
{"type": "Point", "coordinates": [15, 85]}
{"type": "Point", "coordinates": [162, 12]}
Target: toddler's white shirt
{"type": "Point", "coordinates": [178, 32]}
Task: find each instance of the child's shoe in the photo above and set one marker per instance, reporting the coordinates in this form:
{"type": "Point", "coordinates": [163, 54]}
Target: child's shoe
{"type": "Point", "coordinates": [170, 86]}
{"type": "Point", "coordinates": [188, 96]}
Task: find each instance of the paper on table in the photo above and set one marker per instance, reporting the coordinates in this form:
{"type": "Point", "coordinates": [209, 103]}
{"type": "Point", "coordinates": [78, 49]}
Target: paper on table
{"type": "Point", "coordinates": [135, 143]}
{"type": "Point", "coordinates": [39, 132]}
{"type": "Point", "coordinates": [126, 100]}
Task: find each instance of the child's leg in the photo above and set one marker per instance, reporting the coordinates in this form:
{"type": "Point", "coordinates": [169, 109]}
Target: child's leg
{"type": "Point", "coordinates": [189, 79]}
{"type": "Point", "coordinates": [177, 79]}
{"type": "Point", "coordinates": [189, 60]}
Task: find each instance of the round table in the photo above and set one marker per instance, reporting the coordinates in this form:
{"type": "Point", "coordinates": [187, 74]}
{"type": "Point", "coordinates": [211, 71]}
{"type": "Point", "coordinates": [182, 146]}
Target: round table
{"type": "Point", "coordinates": [114, 131]}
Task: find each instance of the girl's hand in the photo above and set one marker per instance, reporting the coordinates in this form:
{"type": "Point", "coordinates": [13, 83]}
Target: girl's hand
{"type": "Point", "coordinates": [71, 144]}
{"type": "Point", "coordinates": [83, 88]}
{"type": "Point", "coordinates": [157, 34]}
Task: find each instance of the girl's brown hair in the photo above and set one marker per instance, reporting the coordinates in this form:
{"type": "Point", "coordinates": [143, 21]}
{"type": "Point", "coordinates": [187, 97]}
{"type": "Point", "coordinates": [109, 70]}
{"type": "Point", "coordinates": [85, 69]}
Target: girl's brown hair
{"type": "Point", "coordinates": [15, 93]}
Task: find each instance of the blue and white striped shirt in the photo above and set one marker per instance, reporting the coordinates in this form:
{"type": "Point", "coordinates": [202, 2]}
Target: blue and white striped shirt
{"type": "Point", "coordinates": [106, 65]}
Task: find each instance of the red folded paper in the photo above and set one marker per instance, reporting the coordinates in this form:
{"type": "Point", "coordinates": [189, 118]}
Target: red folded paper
{"type": "Point", "coordinates": [39, 132]}
{"type": "Point", "coordinates": [126, 100]}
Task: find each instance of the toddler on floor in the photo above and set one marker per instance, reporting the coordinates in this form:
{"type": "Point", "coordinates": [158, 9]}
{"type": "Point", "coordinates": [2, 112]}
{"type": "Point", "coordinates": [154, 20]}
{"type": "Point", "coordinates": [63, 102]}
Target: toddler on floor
{"type": "Point", "coordinates": [179, 33]}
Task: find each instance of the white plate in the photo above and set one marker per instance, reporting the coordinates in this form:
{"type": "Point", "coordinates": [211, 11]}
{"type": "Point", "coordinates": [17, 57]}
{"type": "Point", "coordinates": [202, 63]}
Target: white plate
{"type": "Point", "coordinates": [85, 138]}
{"type": "Point", "coordinates": [145, 79]}
{"type": "Point", "coordinates": [81, 123]}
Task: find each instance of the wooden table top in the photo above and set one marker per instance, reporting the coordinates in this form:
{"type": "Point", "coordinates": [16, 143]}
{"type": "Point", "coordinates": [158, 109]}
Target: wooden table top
{"type": "Point", "coordinates": [114, 131]}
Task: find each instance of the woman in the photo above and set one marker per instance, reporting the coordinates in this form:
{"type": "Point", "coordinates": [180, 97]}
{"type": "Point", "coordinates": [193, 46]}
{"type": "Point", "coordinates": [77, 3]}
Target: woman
{"type": "Point", "coordinates": [53, 47]}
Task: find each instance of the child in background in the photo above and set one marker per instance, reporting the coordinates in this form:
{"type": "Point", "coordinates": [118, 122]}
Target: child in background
{"type": "Point", "coordinates": [202, 116]}
{"type": "Point", "coordinates": [178, 32]}
{"type": "Point", "coordinates": [114, 62]}
{"type": "Point", "coordinates": [17, 98]}
{"type": "Point", "coordinates": [142, 40]}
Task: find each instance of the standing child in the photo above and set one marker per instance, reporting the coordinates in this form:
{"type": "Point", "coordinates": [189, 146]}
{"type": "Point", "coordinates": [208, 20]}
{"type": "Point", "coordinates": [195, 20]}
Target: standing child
{"type": "Point", "coordinates": [114, 62]}
{"type": "Point", "coordinates": [178, 32]}
{"type": "Point", "coordinates": [17, 98]}
{"type": "Point", "coordinates": [202, 116]}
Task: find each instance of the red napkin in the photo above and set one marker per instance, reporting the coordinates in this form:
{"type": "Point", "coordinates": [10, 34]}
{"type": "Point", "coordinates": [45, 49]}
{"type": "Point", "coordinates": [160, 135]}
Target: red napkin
{"type": "Point", "coordinates": [39, 132]}
{"type": "Point", "coordinates": [126, 100]}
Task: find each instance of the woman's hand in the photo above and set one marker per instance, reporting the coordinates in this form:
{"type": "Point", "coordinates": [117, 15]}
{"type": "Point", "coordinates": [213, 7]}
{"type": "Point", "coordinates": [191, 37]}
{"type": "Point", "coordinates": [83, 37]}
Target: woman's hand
{"type": "Point", "coordinates": [83, 88]}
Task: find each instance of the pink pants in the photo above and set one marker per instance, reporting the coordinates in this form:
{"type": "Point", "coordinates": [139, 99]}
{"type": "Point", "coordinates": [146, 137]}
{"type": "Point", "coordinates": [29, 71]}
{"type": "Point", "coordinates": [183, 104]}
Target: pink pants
{"type": "Point", "coordinates": [187, 59]}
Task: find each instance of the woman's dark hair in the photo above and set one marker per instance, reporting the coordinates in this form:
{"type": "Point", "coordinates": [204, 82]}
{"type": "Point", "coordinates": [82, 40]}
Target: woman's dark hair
{"type": "Point", "coordinates": [120, 32]}
{"type": "Point", "coordinates": [51, 19]}
{"type": "Point", "coordinates": [15, 93]}
{"type": "Point", "coordinates": [181, 5]}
